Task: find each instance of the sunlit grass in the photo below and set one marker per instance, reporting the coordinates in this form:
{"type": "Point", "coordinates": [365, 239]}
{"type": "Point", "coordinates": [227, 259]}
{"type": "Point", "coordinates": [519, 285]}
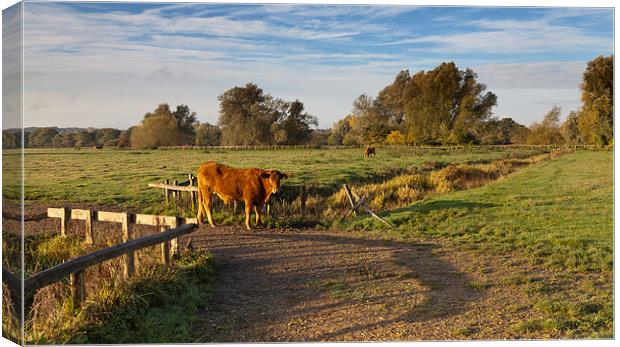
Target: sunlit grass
{"type": "Point", "coordinates": [120, 177]}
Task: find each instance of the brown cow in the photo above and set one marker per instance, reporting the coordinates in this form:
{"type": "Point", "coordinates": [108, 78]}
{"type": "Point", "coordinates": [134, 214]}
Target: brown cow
{"type": "Point", "coordinates": [368, 151]}
{"type": "Point", "coordinates": [252, 186]}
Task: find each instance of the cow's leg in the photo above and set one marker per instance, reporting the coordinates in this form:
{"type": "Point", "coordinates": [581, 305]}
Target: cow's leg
{"type": "Point", "coordinates": [200, 207]}
{"type": "Point", "coordinates": [208, 205]}
{"type": "Point", "coordinates": [257, 211]}
{"type": "Point", "coordinates": [248, 211]}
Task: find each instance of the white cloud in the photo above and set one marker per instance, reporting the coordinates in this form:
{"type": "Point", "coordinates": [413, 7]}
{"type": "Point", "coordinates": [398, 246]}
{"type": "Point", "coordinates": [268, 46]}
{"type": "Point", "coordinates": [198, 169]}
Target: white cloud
{"type": "Point", "coordinates": [108, 69]}
{"type": "Point", "coordinates": [550, 75]}
{"type": "Point", "coordinates": [511, 36]}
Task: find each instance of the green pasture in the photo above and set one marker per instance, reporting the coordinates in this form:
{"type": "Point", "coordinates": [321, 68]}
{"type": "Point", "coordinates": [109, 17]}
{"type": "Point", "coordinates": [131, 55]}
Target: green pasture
{"type": "Point", "coordinates": [120, 177]}
{"type": "Point", "coordinates": [553, 222]}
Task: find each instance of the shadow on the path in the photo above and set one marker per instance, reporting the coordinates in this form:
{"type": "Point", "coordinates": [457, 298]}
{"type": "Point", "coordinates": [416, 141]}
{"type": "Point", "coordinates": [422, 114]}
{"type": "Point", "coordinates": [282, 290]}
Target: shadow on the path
{"type": "Point", "coordinates": [262, 281]}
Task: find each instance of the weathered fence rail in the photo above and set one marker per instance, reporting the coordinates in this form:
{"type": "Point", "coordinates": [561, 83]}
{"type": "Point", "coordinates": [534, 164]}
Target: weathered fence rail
{"type": "Point", "coordinates": [75, 266]}
{"type": "Point", "coordinates": [171, 191]}
{"type": "Point", "coordinates": [171, 228]}
{"type": "Point", "coordinates": [15, 288]}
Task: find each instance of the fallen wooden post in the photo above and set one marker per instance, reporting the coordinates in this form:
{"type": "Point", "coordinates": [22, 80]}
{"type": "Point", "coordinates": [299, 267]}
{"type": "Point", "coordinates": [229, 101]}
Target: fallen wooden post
{"type": "Point", "coordinates": [356, 203]}
{"type": "Point", "coordinates": [347, 190]}
{"type": "Point", "coordinates": [372, 213]}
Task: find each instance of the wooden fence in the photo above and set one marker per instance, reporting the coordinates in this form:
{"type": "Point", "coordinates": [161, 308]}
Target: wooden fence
{"type": "Point", "coordinates": [171, 228]}
{"type": "Point", "coordinates": [172, 191]}
{"type": "Point", "coordinates": [278, 147]}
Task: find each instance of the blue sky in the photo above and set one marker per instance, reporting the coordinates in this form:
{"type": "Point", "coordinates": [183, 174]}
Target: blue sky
{"type": "Point", "coordinates": [106, 64]}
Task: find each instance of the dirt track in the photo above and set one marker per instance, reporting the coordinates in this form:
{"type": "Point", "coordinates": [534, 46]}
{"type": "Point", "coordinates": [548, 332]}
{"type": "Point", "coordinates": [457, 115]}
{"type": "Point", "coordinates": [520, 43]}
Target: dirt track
{"type": "Point", "coordinates": [300, 285]}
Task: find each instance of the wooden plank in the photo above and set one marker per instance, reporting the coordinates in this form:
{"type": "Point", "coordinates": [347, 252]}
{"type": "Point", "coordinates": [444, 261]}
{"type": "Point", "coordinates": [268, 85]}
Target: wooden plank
{"type": "Point", "coordinates": [128, 263]}
{"type": "Point", "coordinates": [118, 217]}
{"type": "Point", "coordinates": [174, 243]}
{"type": "Point", "coordinates": [89, 236]}
{"type": "Point", "coordinates": [359, 203]}
{"type": "Point", "coordinates": [54, 212]}
{"type": "Point", "coordinates": [78, 288]}
{"type": "Point", "coordinates": [192, 195]}
{"type": "Point", "coordinates": [11, 280]}
{"type": "Point", "coordinates": [165, 251]}
{"type": "Point", "coordinates": [347, 190]}
{"type": "Point", "coordinates": [171, 187]}
{"type": "Point", "coordinates": [166, 193]}
{"type": "Point", "coordinates": [64, 220]}
{"type": "Point", "coordinates": [148, 219]}
{"type": "Point", "coordinates": [54, 274]}
{"type": "Point", "coordinates": [114, 217]}
{"type": "Point", "coordinates": [80, 214]}
{"type": "Point", "coordinates": [15, 289]}
{"type": "Point", "coordinates": [372, 213]}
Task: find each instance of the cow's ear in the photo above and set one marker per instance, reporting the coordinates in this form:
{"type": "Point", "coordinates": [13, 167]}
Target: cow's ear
{"type": "Point", "coordinates": [264, 174]}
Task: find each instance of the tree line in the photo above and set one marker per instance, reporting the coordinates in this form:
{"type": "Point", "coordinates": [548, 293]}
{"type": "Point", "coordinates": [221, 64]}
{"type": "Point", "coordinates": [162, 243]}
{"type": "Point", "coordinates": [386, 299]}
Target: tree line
{"type": "Point", "coordinates": [448, 106]}
{"type": "Point", "coordinates": [443, 106]}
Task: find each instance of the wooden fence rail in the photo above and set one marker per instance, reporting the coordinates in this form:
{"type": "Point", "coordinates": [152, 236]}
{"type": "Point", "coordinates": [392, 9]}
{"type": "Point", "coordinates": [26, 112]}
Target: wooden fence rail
{"type": "Point", "coordinates": [75, 268]}
{"type": "Point", "coordinates": [170, 190]}
{"type": "Point", "coordinates": [15, 288]}
{"type": "Point", "coordinates": [56, 273]}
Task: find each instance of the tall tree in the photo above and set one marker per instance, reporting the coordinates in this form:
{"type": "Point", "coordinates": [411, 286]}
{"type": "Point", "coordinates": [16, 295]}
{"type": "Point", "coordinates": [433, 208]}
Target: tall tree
{"type": "Point", "coordinates": [570, 128]}
{"type": "Point", "coordinates": [446, 105]}
{"type": "Point", "coordinates": [208, 135]}
{"type": "Point", "coordinates": [155, 131]}
{"type": "Point", "coordinates": [293, 125]}
{"type": "Point", "coordinates": [244, 119]}
{"type": "Point", "coordinates": [102, 136]}
{"type": "Point", "coordinates": [42, 137]}
{"type": "Point", "coordinates": [595, 121]}
{"type": "Point", "coordinates": [249, 117]}
{"type": "Point", "coordinates": [548, 131]}
{"type": "Point", "coordinates": [186, 122]}
{"type": "Point", "coordinates": [392, 99]}
{"type": "Point", "coordinates": [373, 119]}
{"type": "Point", "coordinates": [8, 140]}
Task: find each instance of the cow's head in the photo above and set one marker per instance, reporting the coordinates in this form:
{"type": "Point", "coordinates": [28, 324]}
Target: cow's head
{"type": "Point", "coordinates": [273, 177]}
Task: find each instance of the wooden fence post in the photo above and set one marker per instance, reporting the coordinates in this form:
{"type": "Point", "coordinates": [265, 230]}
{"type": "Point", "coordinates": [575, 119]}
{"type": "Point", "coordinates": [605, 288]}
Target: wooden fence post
{"type": "Point", "coordinates": [78, 289]}
{"type": "Point", "coordinates": [128, 264]}
{"type": "Point", "coordinates": [192, 195]}
{"type": "Point", "coordinates": [348, 191]}
{"type": "Point", "coordinates": [64, 220]}
{"type": "Point", "coordinates": [303, 198]}
{"type": "Point", "coordinates": [174, 192]}
{"type": "Point", "coordinates": [166, 193]}
{"type": "Point", "coordinates": [174, 243]}
{"type": "Point", "coordinates": [165, 251]}
{"type": "Point", "coordinates": [89, 235]}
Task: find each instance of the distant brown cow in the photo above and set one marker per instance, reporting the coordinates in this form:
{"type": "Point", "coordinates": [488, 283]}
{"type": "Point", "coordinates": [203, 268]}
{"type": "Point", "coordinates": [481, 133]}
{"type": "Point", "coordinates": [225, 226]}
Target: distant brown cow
{"type": "Point", "coordinates": [368, 151]}
{"type": "Point", "coordinates": [252, 186]}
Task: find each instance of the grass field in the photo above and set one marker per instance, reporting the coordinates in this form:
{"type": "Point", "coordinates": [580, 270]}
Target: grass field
{"type": "Point", "coordinates": [553, 222]}
{"type": "Point", "coordinates": [547, 227]}
{"type": "Point", "coordinates": [120, 177]}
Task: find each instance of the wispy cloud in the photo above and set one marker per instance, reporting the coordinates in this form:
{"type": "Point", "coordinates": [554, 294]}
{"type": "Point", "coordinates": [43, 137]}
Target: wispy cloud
{"type": "Point", "coordinates": [114, 65]}
{"type": "Point", "coordinates": [507, 36]}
